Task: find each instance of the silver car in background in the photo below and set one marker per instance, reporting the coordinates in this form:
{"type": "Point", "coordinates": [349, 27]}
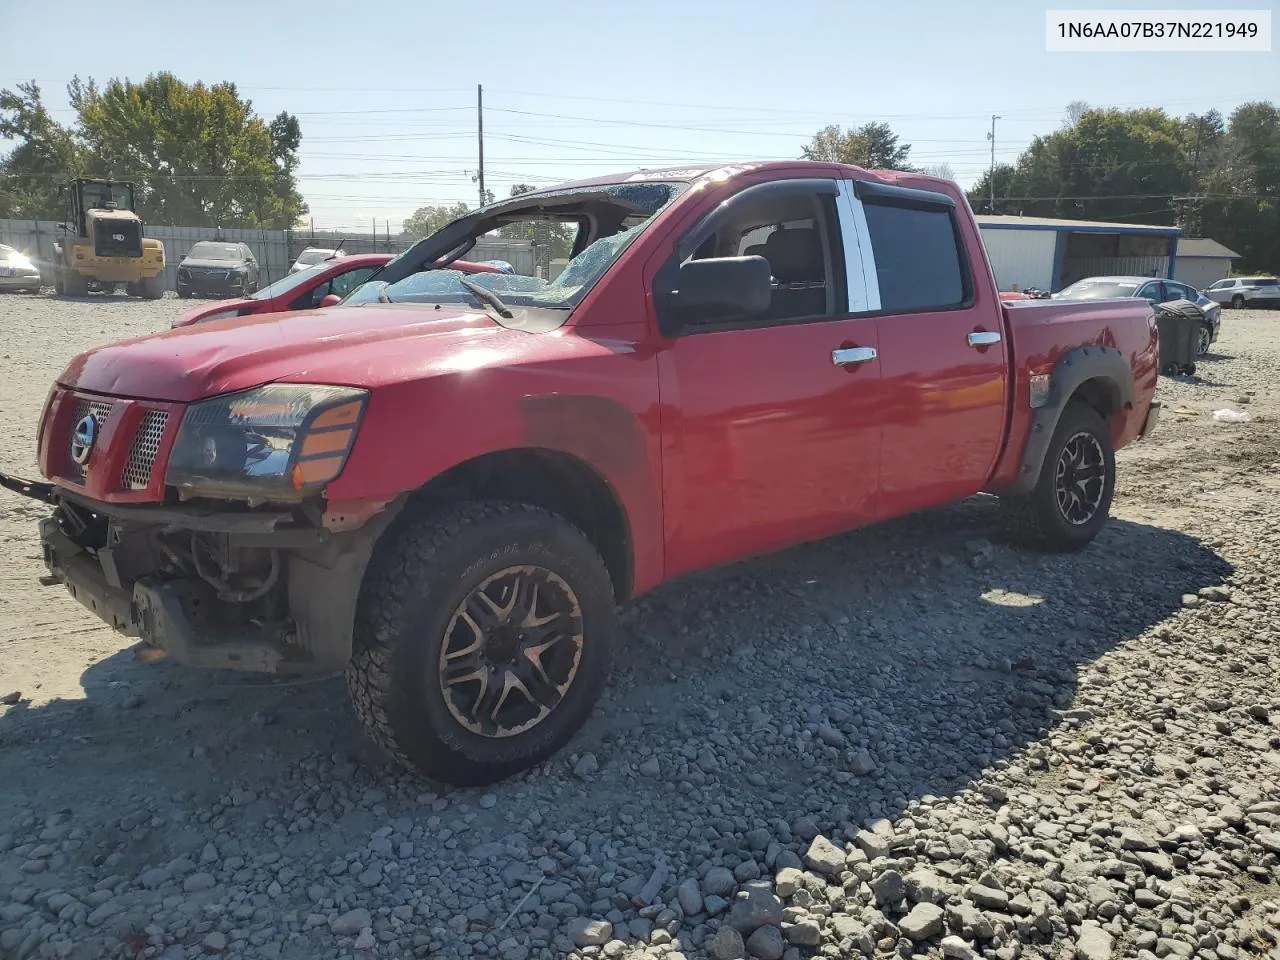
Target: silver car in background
{"type": "Point", "coordinates": [1242, 292]}
{"type": "Point", "coordinates": [17, 272]}
{"type": "Point", "coordinates": [1156, 290]}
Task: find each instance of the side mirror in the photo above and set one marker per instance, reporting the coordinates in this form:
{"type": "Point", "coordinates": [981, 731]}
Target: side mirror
{"type": "Point", "coordinates": [722, 289]}
{"type": "Point", "coordinates": [330, 300]}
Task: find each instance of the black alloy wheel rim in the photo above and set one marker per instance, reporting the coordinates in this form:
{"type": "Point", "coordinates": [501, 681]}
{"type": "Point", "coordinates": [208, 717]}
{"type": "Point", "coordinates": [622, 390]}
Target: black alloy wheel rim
{"type": "Point", "coordinates": [511, 651]}
{"type": "Point", "coordinates": [1080, 478]}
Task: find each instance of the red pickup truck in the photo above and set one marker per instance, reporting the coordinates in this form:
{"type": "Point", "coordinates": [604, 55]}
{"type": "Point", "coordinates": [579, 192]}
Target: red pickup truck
{"type": "Point", "coordinates": [445, 485]}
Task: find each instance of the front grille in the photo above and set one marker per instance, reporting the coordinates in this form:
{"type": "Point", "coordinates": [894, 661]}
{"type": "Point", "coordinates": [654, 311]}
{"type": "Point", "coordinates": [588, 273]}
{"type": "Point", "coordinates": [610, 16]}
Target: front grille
{"type": "Point", "coordinates": [142, 455]}
{"type": "Point", "coordinates": [117, 238]}
{"type": "Point", "coordinates": [101, 412]}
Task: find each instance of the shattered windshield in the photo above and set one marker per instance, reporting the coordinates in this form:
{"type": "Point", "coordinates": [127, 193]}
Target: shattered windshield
{"type": "Point", "coordinates": [611, 217]}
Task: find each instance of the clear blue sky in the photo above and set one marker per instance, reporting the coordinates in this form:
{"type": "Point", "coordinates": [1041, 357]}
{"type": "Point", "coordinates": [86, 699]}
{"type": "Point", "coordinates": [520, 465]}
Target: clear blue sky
{"type": "Point", "coordinates": [385, 92]}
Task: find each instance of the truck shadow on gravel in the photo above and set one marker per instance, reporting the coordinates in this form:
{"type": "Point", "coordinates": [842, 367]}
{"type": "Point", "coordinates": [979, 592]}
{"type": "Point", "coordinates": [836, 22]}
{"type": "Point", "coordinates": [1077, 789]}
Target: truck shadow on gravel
{"type": "Point", "coordinates": [809, 691]}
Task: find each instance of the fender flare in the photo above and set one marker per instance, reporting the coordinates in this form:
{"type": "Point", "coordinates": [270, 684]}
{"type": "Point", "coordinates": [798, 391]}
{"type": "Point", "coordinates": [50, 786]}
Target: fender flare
{"type": "Point", "coordinates": [1072, 369]}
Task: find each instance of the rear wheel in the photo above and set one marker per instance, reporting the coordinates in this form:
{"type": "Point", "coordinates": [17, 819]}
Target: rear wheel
{"type": "Point", "coordinates": [483, 638]}
{"type": "Point", "coordinates": [1072, 498]}
{"type": "Point", "coordinates": [1237, 301]}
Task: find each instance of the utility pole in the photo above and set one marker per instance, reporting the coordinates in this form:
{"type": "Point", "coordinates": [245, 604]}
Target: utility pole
{"type": "Point", "coordinates": [480, 135]}
{"type": "Point", "coordinates": [991, 177]}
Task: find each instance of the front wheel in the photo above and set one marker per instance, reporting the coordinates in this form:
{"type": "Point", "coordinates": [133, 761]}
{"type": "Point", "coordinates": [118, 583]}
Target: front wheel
{"type": "Point", "coordinates": [75, 284]}
{"type": "Point", "coordinates": [483, 637]}
{"type": "Point", "coordinates": [152, 288]}
{"type": "Point", "coordinates": [1238, 302]}
{"type": "Point", "coordinates": [1072, 498]}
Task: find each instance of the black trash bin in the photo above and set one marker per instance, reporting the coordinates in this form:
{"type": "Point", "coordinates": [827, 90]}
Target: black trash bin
{"type": "Point", "coordinates": [1179, 322]}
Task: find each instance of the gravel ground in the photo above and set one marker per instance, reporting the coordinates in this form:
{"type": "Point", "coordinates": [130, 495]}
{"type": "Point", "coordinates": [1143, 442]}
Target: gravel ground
{"type": "Point", "coordinates": [914, 739]}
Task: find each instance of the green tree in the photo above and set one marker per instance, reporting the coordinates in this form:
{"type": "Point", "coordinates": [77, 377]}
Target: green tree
{"type": "Point", "coordinates": [1214, 178]}
{"type": "Point", "coordinates": [1109, 165]}
{"type": "Point", "coordinates": [198, 154]}
{"type": "Point", "coordinates": [872, 145]}
{"type": "Point", "coordinates": [1240, 195]}
{"type": "Point", "coordinates": [45, 156]}
{"type": "Point", "coordinates": [427, 220]}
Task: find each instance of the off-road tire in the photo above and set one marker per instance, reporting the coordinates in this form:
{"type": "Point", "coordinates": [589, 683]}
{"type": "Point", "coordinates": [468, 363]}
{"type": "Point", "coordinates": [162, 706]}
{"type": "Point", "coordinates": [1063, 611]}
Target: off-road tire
{"type": "Point", "coordinates": [1035, 518]}
{"type": "Point", "coordinates": [419, 574]}
{"type": "Point", "coordinates": [152, 288]}
{"type": "Point", "coordinates": [184, 294]}
{"type": "Point", "coordinates": [75, 284]}
{"type": "Point", "coordinates": [1237, 302]}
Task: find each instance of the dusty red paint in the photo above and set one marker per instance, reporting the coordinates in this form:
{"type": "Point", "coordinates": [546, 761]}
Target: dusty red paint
{"type": "Point", "coordinates": [717, 446]}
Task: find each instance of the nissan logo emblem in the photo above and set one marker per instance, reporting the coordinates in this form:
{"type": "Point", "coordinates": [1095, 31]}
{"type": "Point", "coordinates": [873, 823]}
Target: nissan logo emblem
{"type": "Point", "coordinates": [83, 439]}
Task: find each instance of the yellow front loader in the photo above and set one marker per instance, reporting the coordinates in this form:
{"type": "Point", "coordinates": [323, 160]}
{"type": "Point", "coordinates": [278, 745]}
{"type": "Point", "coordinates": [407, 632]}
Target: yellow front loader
{"type": "Point", "coordinates": [102, 244]}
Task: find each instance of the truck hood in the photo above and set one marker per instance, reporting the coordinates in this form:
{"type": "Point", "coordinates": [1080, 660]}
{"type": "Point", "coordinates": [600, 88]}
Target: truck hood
{"type": "Point", "coordinates": [347, 346]}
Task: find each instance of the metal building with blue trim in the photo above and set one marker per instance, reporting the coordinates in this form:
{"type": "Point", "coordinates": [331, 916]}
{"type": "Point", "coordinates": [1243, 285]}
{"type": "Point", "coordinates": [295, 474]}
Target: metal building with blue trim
{"type": "Point", "coordinates": [1050, 254]}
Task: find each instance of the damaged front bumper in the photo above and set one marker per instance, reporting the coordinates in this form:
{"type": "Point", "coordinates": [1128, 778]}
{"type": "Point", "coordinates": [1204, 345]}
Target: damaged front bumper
{"type": "Point", "coordinates": [173, 617]}
{"type": "Point", "coordinates": [127, 565]}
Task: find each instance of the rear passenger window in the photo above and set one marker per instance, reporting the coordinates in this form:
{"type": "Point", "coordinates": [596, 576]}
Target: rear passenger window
{"type": "Point", "coordinates": [918, 259]}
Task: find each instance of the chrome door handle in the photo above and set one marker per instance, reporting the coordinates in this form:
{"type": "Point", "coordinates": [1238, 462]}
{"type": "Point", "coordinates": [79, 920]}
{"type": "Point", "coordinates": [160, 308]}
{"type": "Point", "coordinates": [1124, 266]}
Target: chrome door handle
{"type": "Point", "coordinates": [850, 355]}
{"type": "Point", "coordinates": [983, 338]}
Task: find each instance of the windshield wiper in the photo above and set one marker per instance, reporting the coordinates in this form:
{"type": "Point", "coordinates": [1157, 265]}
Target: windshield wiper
{"type": "Point", "coordinates": [489, 297]}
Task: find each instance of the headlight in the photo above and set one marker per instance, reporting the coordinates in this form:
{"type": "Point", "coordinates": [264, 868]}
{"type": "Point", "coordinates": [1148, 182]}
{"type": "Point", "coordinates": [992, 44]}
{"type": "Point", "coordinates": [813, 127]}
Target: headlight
{"type": "Point", "coordinates": [280, 441]}
{"type": "Point", "coordinates": [20, 262]}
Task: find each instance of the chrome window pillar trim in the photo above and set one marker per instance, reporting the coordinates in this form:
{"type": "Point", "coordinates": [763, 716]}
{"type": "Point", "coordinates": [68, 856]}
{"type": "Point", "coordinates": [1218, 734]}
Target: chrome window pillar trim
{"type": "Point", "coordinates": [859, 257]}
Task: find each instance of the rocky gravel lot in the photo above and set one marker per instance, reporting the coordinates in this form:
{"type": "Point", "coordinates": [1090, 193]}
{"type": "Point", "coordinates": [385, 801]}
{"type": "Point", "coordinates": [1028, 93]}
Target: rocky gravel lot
{"type": "Point", "coordinates": [910, 740]}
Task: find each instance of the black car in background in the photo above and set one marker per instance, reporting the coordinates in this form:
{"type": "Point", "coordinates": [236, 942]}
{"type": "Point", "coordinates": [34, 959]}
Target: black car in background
{"type": "Point", "coordinates": [218, 268]}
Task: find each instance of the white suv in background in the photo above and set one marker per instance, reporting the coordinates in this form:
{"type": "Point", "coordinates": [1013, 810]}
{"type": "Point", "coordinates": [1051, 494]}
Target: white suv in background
{"type": "Point", "coordinates": [1246, 292]}
{"type": "Point", "coordinates": [313, 255]}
